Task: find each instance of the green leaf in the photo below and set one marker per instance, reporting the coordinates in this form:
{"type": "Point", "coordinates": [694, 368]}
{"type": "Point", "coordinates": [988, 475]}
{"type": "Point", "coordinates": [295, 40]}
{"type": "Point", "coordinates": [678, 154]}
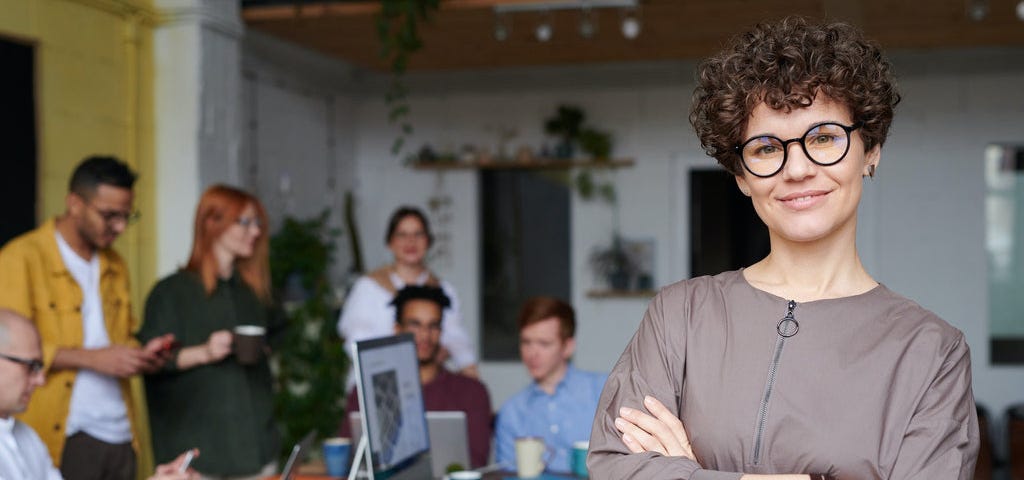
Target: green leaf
{"type": "Point", "coordinates": [398, 112]}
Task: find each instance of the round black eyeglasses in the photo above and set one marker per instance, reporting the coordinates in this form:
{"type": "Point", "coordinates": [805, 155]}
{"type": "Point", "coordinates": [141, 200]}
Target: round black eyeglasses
{"type": "Point", "coordinates": [824, 144]}
{"type": "Point", "coordinates": [34, 366]}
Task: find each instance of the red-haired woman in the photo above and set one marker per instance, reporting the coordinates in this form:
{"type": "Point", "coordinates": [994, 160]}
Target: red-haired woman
{"type": "Point", "coordinates": [205, 398]}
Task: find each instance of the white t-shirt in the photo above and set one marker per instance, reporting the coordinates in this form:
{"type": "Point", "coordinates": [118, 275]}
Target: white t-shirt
{"type": "Point", "coordinates": [23, 456]}
{"type": "Point", "coordinates": [97, 407]}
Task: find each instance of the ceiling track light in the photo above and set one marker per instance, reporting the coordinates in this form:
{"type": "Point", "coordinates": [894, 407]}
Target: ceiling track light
{"type": "Point", "coordinates": [564, 5]}
{"type": "Point", "coordinates": [502, 27]}
{"type": "Point", "coordinates": [588, 22]}
{"type": "Point", "coordinates": [588, 25]}
{"type": "Point", "coordinates": [544, 30]}
{"type": "Point", "coordinates": [631, 23]}
{"type": "Point", "coordinates": [977, 10]}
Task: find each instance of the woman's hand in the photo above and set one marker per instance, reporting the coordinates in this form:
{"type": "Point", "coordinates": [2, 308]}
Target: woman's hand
{"type": "Point", "coordinates": [218, 345]}
{"type": "Point", "coordinates": [660, 431]}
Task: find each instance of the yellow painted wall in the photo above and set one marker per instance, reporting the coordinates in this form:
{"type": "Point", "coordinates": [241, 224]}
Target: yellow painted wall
{"type": "Point", "coordinates": [94, 94]}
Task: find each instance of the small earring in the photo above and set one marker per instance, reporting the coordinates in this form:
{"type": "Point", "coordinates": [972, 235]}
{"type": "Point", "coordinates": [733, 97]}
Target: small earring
{"type": "Point", "coordinates": [871, 171]}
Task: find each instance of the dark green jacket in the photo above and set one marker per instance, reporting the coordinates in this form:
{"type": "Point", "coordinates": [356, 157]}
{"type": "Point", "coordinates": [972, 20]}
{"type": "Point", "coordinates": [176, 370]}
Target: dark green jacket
{"type": "Point", "coordinates": [225, 409]}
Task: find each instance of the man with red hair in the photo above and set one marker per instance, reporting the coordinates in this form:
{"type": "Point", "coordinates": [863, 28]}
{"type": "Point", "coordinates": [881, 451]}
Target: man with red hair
{"type": "Point", "coordinates": [559, 405]}
{"type": "Point", "coordinates": [65, 277]}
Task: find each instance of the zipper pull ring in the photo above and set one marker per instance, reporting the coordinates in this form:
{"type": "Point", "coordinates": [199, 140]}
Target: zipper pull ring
{"type": "Point", "coordinates": [788, 326]}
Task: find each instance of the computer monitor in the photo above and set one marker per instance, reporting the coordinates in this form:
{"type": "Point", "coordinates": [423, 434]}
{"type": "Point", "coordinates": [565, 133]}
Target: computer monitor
{"type": "Point", "coordinates": [396, 440]}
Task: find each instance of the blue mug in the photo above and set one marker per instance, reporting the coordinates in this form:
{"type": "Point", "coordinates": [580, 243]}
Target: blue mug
{"type": "Point", "coordinates": [579, 458]}
{"type": "Point", "coordinates": [336, 453]}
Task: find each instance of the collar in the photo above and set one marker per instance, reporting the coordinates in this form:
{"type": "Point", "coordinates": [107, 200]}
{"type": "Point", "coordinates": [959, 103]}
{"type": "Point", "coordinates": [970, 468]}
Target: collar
{"type": "Point", "coordinates": [570, 372]}
{"type": "Point", "coordinates": [7, 425]}
{"type": "Point", "coordinates": [400, 284]}
{"type": "Point", "coordinates": [108, 263]}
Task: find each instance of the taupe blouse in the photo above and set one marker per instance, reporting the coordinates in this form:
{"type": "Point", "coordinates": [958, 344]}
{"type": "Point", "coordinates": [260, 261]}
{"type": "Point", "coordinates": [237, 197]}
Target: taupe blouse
{"type": "Point", "coordinates": [868, 386]}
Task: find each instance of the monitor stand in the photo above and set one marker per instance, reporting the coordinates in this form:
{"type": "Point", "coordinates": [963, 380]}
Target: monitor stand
{"type": "Point", "coordinates": [362, 455]}
{"type": "Point", "coordinates": [419, 468]}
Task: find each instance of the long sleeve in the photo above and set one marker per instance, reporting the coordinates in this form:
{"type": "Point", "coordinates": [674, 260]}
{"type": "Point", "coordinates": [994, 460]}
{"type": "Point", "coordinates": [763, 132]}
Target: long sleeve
{"type": "Point", "coordinates": [941, 440]}
{"type": "Point", "coordinates": [652, 364]}
{"type": "Point", "coordinates": [505, 433]}
{"type": "Point", "coordinates": [453, 332]}
{"type": "Point", "coordinates": [478, 422]}
{"type": "Point", "coordinates": [362, 316]}
{"type": "Point", "coordinates": [160, 317]}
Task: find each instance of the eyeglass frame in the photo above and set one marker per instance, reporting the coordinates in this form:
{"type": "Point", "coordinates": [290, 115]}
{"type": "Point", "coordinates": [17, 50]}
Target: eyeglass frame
{"type": "Point", "coordinates": [109, 216]}
{"type": "Point", "coordinates": [34, 366]}
{"type": "Point", "coordinates": [738, 148]}
{"type": "Point", "coordinates": [247, 222]}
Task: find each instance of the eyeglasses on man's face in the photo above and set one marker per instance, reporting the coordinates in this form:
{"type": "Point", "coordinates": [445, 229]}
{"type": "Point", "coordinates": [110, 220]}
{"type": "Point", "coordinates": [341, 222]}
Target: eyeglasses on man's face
{"type": "Point", "coordinates": [115, 216]}
{"type": "Point", "coordinates": [34, 366]}
{"type": "Point", "coordinates": [824, 144]}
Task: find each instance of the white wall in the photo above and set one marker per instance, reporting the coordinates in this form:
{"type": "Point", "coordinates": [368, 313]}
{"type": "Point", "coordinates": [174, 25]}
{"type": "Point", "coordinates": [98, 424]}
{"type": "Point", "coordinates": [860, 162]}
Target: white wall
{"type": "Point", "coordinates": [298, 123]}
{"type": "Point", "coordinates": [921, 229]}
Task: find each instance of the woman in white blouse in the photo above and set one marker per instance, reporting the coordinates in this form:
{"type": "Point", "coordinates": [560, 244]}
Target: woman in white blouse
{"type": "Point", "coordinates": [368, 313]}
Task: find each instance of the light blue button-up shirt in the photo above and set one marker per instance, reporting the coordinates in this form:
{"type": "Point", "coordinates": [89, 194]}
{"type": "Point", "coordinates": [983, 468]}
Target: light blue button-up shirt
{"type": "Point", "coordinates": [560, 419]}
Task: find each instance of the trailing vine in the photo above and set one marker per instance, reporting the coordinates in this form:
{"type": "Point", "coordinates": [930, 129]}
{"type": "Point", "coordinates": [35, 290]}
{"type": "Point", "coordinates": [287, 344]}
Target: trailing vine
{"type": "Point", "coordinates": [398, 30]}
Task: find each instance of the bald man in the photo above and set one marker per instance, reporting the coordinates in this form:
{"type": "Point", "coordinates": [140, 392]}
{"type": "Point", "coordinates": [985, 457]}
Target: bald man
{"type": "Point", "coordinates": [22, 454]}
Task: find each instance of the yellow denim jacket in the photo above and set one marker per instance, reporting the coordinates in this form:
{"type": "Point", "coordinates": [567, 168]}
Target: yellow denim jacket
{"type": "Point", "coordinates": [35, 283]}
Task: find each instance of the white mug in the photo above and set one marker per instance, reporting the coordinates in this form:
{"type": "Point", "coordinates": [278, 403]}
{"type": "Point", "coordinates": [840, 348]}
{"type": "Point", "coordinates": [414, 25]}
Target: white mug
{"type": "Point", "coordinates": [530, 456]}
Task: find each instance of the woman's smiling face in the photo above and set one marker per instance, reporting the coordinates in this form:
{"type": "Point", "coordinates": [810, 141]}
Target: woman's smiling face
{"type": "Point", "coordinates": [806, 202]}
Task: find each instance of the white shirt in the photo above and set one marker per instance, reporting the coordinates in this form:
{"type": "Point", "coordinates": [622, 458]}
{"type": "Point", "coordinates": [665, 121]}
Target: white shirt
{"type": "Point", "coordinates": [367, 314]}
{"type": "Point", "coordinates": [23, 456]}
{"type": "Point", "coordinates": [97, 407]}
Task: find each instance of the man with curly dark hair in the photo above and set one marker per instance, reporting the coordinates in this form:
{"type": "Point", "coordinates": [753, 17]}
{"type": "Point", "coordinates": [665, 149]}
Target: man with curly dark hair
{"type": "Point", "coordinates": [800, 365]}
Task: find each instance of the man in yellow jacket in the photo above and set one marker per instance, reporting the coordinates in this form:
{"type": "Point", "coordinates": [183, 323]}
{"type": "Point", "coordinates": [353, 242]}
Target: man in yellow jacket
{"type": "Point", "coordinates": [65, 277]}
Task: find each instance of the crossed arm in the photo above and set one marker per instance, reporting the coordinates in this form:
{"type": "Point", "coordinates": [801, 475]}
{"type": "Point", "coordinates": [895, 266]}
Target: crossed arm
{"type": "Point", "coordinates": [660, 431]}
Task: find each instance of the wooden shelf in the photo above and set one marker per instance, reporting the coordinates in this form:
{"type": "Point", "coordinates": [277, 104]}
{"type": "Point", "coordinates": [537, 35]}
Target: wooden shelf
{"type": "Point", "coordinates": [621, 293]}
{"type": "Point", "coordinates": [533, 164]}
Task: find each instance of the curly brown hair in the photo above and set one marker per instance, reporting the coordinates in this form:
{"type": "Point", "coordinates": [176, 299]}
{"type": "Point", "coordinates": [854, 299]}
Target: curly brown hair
{"type": "Point", "coordinates": [785, 64]}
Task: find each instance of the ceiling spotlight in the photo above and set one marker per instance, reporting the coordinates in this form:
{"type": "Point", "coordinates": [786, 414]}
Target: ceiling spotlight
{"type": "Point", "coordinates": [502, 26]}
{"type": "Point", "coordinates": [977, 10]}
{"type": "Point", "coordinates": [630, 24]}
{"type": "Point", "coordinates": [544, 30]}
{"type": "Point", "coordinates": [1020, 10]}
{"type": "Point", "coordinates": [588, 25]}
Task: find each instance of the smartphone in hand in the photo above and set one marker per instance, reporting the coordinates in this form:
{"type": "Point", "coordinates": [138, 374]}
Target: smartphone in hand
{"type": "Point", "coordinates": [189, 455]}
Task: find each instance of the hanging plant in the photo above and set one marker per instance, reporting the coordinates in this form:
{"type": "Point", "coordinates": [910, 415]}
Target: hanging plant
{"type": "Point", "coordinates": [398, 30]}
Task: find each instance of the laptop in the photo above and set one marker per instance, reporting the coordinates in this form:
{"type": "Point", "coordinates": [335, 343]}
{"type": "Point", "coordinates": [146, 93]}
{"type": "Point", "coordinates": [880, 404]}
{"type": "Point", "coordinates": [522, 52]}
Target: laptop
{"type": "Point", "coordinates": [298, 454]}
{"type": "Point", "coordinates": [449, 439]}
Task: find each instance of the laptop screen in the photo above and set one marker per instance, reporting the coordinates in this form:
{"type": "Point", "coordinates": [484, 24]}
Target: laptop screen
{"type": "Point", "coordinates": [388, 383]}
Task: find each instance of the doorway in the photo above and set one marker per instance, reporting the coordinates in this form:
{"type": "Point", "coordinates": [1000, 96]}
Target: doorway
{"type": "Point", "coordinates": [19, 183]}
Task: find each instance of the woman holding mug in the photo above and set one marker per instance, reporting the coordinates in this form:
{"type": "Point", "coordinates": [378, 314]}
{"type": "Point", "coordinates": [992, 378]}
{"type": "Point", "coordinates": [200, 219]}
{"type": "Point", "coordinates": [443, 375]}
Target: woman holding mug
{"type": "Point", "coordinates": [205, 397]}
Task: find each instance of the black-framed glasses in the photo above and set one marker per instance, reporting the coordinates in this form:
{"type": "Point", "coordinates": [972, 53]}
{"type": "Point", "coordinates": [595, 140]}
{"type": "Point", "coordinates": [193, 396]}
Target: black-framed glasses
{"type": "Point", "coordinates": [111, 216]}
{"type": "Point", "coordinates": [824, 144]}
{"type": "Point", "coordinates": [34, 366]}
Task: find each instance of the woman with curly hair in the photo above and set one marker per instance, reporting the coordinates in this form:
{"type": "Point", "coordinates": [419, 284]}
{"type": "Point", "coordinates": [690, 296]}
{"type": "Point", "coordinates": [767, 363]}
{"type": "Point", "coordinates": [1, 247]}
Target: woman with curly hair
{"type": "Point", "coordinates": [800, 365]}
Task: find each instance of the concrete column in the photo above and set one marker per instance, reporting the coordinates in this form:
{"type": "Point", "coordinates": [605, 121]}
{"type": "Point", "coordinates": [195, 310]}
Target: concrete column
{"type": "Point", "coordinates": [197, 105]}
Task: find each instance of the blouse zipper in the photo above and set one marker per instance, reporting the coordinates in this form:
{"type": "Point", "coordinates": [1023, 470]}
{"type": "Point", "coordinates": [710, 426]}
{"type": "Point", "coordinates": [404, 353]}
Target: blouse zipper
{"type": "Point", "coordinates": [787, 327]}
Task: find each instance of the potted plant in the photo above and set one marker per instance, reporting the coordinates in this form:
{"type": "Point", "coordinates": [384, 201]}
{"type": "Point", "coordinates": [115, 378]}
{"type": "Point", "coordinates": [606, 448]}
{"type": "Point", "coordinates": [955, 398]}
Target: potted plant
{"type": "Point", "coordinates": [311, 364]}
{"type": "Point", "coordinates": [596, 143]}
{"type": "Point", "coordinates": [614, 264]}
{"type": "Point", "coordinates": [566, 125]}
